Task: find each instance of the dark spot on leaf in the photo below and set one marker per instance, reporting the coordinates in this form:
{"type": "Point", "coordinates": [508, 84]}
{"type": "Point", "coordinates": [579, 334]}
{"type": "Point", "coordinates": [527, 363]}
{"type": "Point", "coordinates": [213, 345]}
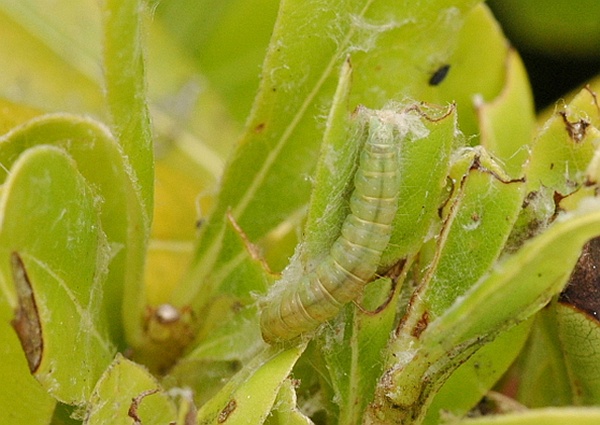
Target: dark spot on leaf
{"type": "Point", "coordinates": [575, 129]}
{"type": "Point", "coordinates": [259, 128]}
{"type": "Point", "coordinates": [26, 322]}
{"type": "Point", "coordinates": [237, 307]}
{"type": "Point", "coordinates": [495, 403]}
{"type": "Point", "coordinates": [583, 289]}
{"type": "Point", "coordinates": [440, 75]}
{"type": "Point", "coordinates": [135, 404]}
{"type": "Point", "coordinates": [529, 198]}
{"type": "Point", "coordinates": [484, 407]}
{"type": "Point", "coordinates": [590, 181]}
{"type": "Point", "coordinates": [421, 325]}
{"type": "Point", "coordinates": [227, 410]}
{"type": "Point", "coordinates": [557, 197]}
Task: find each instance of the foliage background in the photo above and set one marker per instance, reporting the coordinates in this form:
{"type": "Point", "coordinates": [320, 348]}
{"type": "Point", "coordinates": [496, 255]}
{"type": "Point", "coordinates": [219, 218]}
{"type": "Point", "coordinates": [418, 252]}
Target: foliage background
{"type": "Point", "coordinates": [203, 67]}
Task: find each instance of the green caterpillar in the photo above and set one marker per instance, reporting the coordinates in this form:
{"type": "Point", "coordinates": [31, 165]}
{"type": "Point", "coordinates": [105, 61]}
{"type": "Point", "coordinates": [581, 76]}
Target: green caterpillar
{"type": "Point", "coordinates": [354, 257]}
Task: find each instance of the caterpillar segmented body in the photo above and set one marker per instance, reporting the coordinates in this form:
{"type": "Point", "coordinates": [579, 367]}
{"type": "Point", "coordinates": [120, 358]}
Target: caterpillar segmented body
{"type": "Point", "coordinates": [353, 259]}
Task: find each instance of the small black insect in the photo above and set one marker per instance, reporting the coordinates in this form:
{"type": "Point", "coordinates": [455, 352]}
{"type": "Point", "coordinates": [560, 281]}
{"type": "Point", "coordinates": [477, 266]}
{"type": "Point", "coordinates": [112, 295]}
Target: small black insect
{"type": "Point", "coordinates": [438, 76]}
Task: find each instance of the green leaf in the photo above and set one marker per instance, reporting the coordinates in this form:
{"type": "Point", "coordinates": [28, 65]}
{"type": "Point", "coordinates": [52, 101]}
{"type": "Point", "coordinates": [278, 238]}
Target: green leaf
{"type": "Point", "coordinates": [337, 163]}
{"type": "Point", "coordinates": [227, 39]}
{"type": "Point", "coordinates": [481, 213]}
{"type": "Point", "coordinates": [480, 73]}
{"type": "Point", "coordinates": [59, 264]}
{"type": "Point", "coordinates": [126, 98]}
{"type": "Point", "coordinates": [63, 73]}
{"type": "Point", "coordinates": [564, 167]}
{"type": "Point", "coordinates": [249, 396]}
{"type": "Point", "coordinates": [544, 380]}
{"type": "Point", "coordinates": [285, 411]}
{"type": "Point", "coordinates": [22, 399]}
{"type": "Point", "coordinates": [507, 122]}
{"type": "Point", "coordinates": [550, 416]}
{"type": "Point", "coordinates": [99, 160]}
{"type": "Point", "coordinates": [579, 336]}
{"type": "Point", "coordinates": [478, 219]}
{"type": "Point", "coordinates": [565, 146]}
{"type": "Point", "coordinates": [474, 378]}
{"type": "Point", "coordinates": [125, 394]}
{"type": "Point", "coordinates": [70, 30]}
{"type": "Point", "coordinates": [496, 302]}
{"type": "Point", "coordinates": [353, 349]}
{"type": "Point", "coordinates": [568, 333]}
{"type": "Point", "coordinates": [126, 93]}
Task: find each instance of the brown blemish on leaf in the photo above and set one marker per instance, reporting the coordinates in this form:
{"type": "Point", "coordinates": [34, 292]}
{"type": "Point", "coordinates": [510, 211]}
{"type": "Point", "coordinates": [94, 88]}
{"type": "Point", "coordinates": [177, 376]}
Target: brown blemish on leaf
{"type": "Point", "coordinates": [583, 289]}
{"type": "Point", "coordinates": [576, 129]}
{"type": "Point", "coordinates": [135, 404]}
{"type": "Point", "coordinates": [259, 128]}
{"type": "Point", "coordinates": [421, 325]}
{"type": "Point", "coordinates": [252, 249]}
{"type": "Point", "coordinates": [227, 410]}
{"type": "Point", "coordinates": [445, 111]}
{"type": "Point", "coordinates": [26, 322]}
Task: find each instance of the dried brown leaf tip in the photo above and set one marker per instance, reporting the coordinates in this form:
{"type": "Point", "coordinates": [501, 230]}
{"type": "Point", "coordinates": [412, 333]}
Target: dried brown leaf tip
{"type": "Point", "coordinates": [227, 410]}
{"type": "Point", "coordinates": [583, 290]}
{"type": "Point", "coordinates": [26, 321]}
{"type": "Point", "coordinates": [135, 405]}
{"type": "Point", "coordinates": [575, 129]}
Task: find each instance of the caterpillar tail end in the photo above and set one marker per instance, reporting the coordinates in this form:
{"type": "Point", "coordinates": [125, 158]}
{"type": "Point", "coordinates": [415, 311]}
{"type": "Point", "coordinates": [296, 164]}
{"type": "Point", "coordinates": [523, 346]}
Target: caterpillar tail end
{"type": "Point", "coordinates": [274, 330]}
